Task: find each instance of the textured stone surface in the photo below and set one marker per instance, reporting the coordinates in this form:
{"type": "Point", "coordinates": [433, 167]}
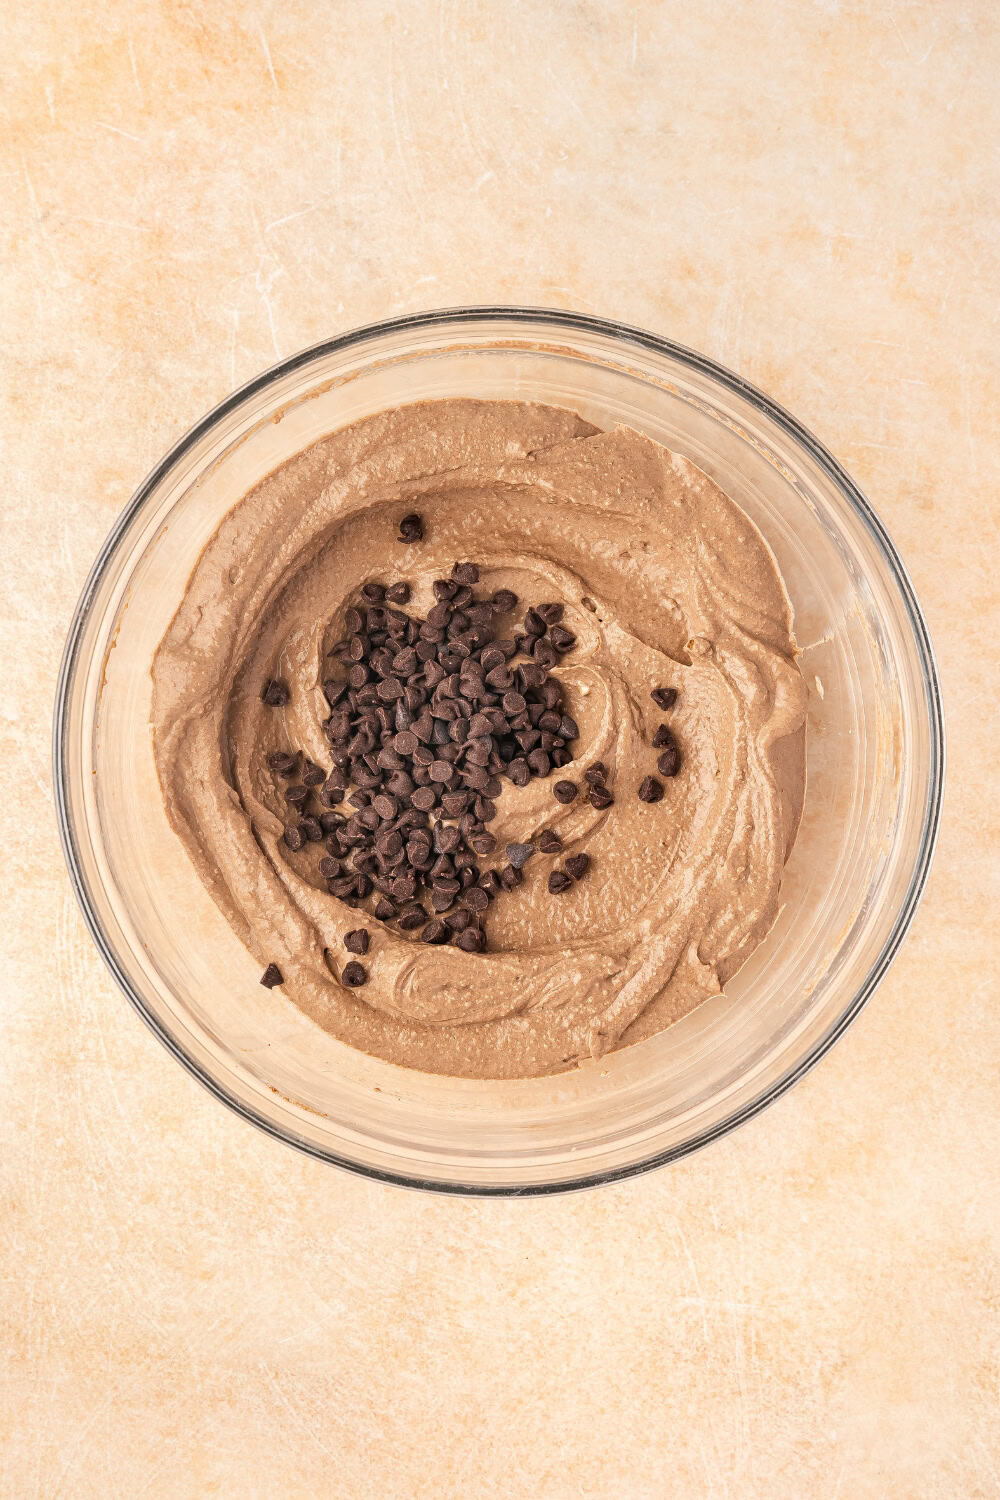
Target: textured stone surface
{"type": "Point", "coordinates": [807, 192]}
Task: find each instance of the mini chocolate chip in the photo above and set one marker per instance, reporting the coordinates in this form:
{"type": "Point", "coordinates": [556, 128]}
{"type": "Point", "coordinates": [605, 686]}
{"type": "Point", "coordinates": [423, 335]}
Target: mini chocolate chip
{"type": "Point", "coordinates": [663, 738]}
{"type": "Point", "coordinates": [271, 976]}
{"type": "Point", "coordinates": [384, 909]}
{"type": "Point", "coordinates": [411, 528]}
{"type": "Point", "coordinates": [329, 867]}
{"type": "Point", "coordinates": [296, 794]}
{"type": "Point", "coordinates": [313, 829]}
{"type": "Point", "coordinates": [513, 703]}
{"type": "Point", "coordinates": [490, 883]}
{"type": "Point", "coordinates": [434, 932]}
{"type": "Point", "coordinates": [398, 594]}
{"type": "Point", "coordinates": [577, 865]}
{"type": "Point", "coordinates": [519, 854]}
{"type": "Point", "coordinates": [282, 761]}
{"type": "Point", "coordinates": [312, 774]}
{"type": "Point", "coordinates": [358, 940]}
{"type": "Point", "coordinates": [549, 842]}
{"type": "Point", "coordinates": [459, 919]}
{"type": "Point", "coordinates": [533, 623]}
{"type": "Point", "coordinates": [504, 601]}
{"type": "Point", "coordinates": [565, 791]}
{"type": "Point", "coordinates": [664, 697]}
{"type": "Point", "coordinates": [539, 762]}
{"type": "Point", "coordinates": [568, 728]}
{"type": "Point", "coordinates": [563, 640]}
{"type": "Point", "coordinates": [373, 592]}
{"type": "Point", "coordinates": [601, 798]}
{"type": "Point", "coordinates": [455, 803]}
{"type": "Point", "coordinates": [650, 790]}
{"type": "Point", "coordinates": [545, 653]}
{"type": "Point", "coordinates": [559, 881]}
{"type": "Point", "coordinates": [483, 843]}
{"type": "Point", "coordinates": [519, 772]}
{"type": "Point", "coordinates": [466, 573]}
{"type": "Point", "coordinates": [669, 762]}
{"type": "Point", "coordinates": [412, 918]}
{"type": "Point", "coordinates": [470, 940]}
{"type": "Point", "coordinates": [476, 898]}
{"type": "Point", "coordinates": [510, 876]}
{"type": "Point", "coordinates": [551, 613]}
{"type": "Point", "coordinates": [354, 975]}
{"type": "Point", "coordinates": [275, 693]}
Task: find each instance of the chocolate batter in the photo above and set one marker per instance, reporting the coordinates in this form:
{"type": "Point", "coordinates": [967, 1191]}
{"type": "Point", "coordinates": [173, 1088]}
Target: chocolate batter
{"type": "Point", "coordinates": [665, 582]}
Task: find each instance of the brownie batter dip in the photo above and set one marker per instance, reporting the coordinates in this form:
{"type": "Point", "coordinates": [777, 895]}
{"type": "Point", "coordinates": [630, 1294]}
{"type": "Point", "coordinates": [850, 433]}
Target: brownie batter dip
{"type": "Point", "coordinates": [483, 727]}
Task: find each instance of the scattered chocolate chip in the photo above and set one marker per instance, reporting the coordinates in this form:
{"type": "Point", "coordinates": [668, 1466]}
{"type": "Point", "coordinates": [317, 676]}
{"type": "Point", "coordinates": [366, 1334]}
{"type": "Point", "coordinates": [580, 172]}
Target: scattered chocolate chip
{"type": "Point", "coordinates": [669, 762]}
{"type": "Point", "coordinates": [282, 761]}
{"type": "Point", "coordinates": [600, 798]}
{"type": "Point", "coordinates": [539, 762]}
{"type": "Point", "coordinates": [275, 693]}
{"type": "Point", "coordinates": [435, 932]}
{"type": "Point", "coordinates": [398, 594]}
{"type": "Point", "coordinates": [563, 640]}
{"type": "Point", "coordinates": [551, 613]}
{"type": "Point", "coordinates": [577, 865]}
{"type": "Point", "coordinates": [504, 601]}
{"type": "Point", "coordinates": [470, 940]}
{"type": "Point", "coordinates": [313, 829]}
{"type": "Point", "coordinates": [519, 854]}
{"type": "Point", "coordinates": [466, 573]}
{"type": "Point", "coordinates": [650, 790]}
{"type": "Point", "coordinates": [519, 772]}
{"type": "Point", "coordinates": [595, 775]}
{"type": "Point", "coordinates": [312, 774]}
{"type": "Point", "coordinates": [565, 791]}
{"type": "Point", "coordinates": [549, 842]}
{"type": "Point", "coordinates": [412, 918]}
{"type": "Point", "coordinates": [559, 881]}
{"type": "Point", "coordinates": [510, 877]}
{"type": "Point", "coordinates": [271, 976]}
{"type": "Point", "coordinates": [354, 975]}
{"type": "Point", "coordinates": [296, 794]}
{"type": "Point", "coordinates": [664, 697]}
{"type": "Point", "coordinates": [476, 898]}
{"type": "Point", "coordinates": [358, 940]}
{"type": "Point", "coordinates": [384, 909]}
{"type": "Point", "coordinates": [411, 528]}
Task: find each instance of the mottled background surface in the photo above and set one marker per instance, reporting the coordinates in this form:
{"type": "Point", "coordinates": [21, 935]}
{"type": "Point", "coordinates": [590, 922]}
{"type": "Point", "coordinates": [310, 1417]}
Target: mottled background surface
{"type": "Point", "coordinates": [806, 191]}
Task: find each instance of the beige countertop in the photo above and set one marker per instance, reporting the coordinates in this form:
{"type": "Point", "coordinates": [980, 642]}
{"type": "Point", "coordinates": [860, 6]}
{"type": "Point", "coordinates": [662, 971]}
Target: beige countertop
{"type": "Point", "coordinates": [805, 191]}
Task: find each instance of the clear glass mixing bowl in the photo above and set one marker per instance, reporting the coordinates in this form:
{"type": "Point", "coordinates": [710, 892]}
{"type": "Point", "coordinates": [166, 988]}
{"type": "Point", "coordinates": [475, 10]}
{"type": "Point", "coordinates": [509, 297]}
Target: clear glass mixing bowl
{"type": "Point", "coordinates": [875, 763]}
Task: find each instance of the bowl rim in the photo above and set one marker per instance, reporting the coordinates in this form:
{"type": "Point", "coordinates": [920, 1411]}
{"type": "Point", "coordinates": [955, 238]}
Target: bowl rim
{"type": "Point", "coordinates": [628, 335]}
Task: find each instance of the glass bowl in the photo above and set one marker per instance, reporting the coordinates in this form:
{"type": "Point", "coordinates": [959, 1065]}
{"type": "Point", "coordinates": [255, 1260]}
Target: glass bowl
{"type": "Point", "coordinates": [875, 764]}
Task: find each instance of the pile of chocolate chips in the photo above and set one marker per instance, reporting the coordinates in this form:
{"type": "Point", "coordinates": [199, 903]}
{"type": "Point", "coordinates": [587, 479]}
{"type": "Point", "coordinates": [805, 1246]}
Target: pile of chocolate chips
{"type": "Point", "coordinates": [428, 720]}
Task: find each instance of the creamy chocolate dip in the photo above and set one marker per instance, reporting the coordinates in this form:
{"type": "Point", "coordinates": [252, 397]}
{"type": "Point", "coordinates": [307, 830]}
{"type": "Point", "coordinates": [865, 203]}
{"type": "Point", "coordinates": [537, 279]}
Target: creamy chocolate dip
{"type": "Point", "coordinates": [665, 582]}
